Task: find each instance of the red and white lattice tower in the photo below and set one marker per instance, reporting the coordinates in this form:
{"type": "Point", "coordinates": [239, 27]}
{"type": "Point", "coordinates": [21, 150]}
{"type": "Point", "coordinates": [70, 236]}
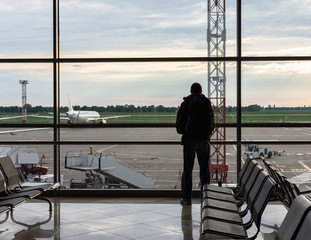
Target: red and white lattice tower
{"type": "Point", "coordinates": [216, 41]}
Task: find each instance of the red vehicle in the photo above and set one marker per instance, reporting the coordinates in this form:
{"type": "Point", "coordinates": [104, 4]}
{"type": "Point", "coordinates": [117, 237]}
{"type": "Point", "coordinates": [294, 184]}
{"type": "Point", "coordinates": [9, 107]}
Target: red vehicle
{"type": "Point", "coordinates": [27, 169]}
{"type": "Point", "coordinates": [34, 169]}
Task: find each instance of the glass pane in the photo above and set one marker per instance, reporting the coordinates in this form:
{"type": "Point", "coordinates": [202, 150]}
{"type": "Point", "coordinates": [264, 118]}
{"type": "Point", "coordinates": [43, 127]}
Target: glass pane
{"type": "Point", "coordinates": [120, 134]}
{"type": "Point", "coordinates": [276, 28]}
{"type": "Point", "coordinates": [230, 33]}
{"type": "Point", "coordinates": [135, 28]}
{"type": "Point", "coordinates": [145, 167]}
{"type": "Point", "coordinates": [34, 162]}
{"type": "Point", "coordinates": [276, 92]}
{"type": "Point", "coordinates": [25, 88]}
{"type": "Point", "coordinates": [223, 164]}
{"type": "Point", "coordinates": [148, 92]}
{"type": "Point", "coordinates": [293, 161]}
{"type": "Point", "coordinates": [120, 166]}
{"type": "Point", "coordinates": [26, 134]}
{"type": "Point", "coordinates": [26, 29]}
{"type": "Point", "coordinates": [276, 134]}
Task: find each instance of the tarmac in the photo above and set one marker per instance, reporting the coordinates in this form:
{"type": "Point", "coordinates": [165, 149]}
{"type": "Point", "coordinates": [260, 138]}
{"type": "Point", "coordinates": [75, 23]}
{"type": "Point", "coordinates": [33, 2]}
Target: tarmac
{"type": "Point", "coordinates": [163, 163]}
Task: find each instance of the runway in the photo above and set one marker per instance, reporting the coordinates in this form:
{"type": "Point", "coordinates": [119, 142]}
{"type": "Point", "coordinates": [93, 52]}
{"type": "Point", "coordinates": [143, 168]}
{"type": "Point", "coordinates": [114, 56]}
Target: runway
{"type": "Point", "coordinates": [163, 163]}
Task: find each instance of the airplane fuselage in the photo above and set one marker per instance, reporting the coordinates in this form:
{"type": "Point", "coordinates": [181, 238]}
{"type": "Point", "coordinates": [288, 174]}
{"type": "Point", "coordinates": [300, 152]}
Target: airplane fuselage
{"type": "Point", "coordinates": [83, 117]}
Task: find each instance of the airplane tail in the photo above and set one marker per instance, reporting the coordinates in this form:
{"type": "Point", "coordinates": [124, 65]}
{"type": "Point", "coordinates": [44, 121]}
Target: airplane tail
{"type": "Point", "coordinates": [69, 103]}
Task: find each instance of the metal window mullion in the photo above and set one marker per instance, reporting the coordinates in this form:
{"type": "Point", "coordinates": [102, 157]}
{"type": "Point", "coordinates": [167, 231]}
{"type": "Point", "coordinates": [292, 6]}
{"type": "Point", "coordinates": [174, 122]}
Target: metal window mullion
{"type": "Point", "coordinates": [56, 132]}
{"type": "Point", "coordinates": [239, 85]}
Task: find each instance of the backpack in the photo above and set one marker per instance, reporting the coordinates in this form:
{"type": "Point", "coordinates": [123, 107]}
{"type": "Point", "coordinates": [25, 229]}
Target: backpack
{"type": "Point", "coordinates": [200, 117]}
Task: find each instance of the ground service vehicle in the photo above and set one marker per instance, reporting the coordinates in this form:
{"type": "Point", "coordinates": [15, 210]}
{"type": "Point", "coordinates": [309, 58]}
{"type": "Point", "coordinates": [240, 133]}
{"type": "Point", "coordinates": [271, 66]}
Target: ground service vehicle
{"type": "Point", "coordinates": [257, 151]}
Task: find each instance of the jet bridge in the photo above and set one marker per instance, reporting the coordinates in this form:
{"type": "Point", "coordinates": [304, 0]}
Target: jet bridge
{"type": "Point", "coordinates": [109, 167]}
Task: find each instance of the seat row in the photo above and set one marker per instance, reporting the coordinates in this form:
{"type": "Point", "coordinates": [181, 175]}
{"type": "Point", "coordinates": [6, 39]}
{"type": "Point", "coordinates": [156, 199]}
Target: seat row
{"type": "Point", "coordinates": [286, 191]}
{"type": "Point", "coordinates": [224, 213]}
{"type": "Point", "coordinates": [229, 213]}
{"type": "Point", "coordinates": [12, 192]}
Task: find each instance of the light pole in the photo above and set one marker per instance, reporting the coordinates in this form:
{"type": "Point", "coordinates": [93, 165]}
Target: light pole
{"type": "Point", "coordinates": [24, 99]}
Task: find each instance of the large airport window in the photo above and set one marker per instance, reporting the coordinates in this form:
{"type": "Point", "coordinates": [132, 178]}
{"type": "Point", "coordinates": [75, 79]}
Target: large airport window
{"type": "Point", "coordinates": [128, 64]}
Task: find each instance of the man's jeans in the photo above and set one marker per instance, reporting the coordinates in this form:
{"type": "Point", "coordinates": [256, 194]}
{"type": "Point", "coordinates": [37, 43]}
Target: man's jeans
{"type": "Point", "coordinates": [202, 149]}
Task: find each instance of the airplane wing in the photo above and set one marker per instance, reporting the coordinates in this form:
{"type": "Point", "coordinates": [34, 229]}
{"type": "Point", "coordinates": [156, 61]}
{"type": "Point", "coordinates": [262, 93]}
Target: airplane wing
{"type": "Point", "coordinates": [13, 131]}
{"type": "Point", "coordinates": [103, 119]}
{"type": "Point", "coordinates": [61, 114]}
{"type": "Point", "coordinates": [12, 117]}
{"type": "Point", "coordinates": [117, 116]}
{"type": "Point", "coordinates": [40, 116]}
{"type": "Point", "coordinates": [22, 130]}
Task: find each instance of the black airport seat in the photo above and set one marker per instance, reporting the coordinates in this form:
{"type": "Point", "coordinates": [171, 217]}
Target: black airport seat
{"type": "Point", "coordinates": [238, 231]}
{"type": "Point", "coordinates": [13, 186]}
{"type": "Point", "coordinates": [224, 213]}
{"type": "Point", "coordinates": [246, 185]}
{"type": "Point", "coordinates": [224, 190]}
{"type": "Point", "coordinates": [293, 224]}
{"type": "Point", "coordinates": [8, 203]}
{"type": "Point", "coordinates": [235, 206]}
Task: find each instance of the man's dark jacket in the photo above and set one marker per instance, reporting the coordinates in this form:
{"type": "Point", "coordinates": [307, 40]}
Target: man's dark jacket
{"type": "Point", "coordinates": [181, 119]}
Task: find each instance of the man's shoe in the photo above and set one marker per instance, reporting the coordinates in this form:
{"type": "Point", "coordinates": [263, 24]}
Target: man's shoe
{"type": "Point", "coordinates": [184, 202]}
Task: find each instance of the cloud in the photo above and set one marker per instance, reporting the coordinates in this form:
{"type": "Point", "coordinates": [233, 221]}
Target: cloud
{"type": "Point", "coordinates": [174, 28]}
{"type": "Point", "coordinates": [138, 27]}
{"type": "Point", "coordinates": [26, 28]}
{"type": "Point", "coordinates": [276, 27]}
{"type": "Point", "coordinates": [112, 81]}
{"type": "Point", "coordinates": [279, 83]}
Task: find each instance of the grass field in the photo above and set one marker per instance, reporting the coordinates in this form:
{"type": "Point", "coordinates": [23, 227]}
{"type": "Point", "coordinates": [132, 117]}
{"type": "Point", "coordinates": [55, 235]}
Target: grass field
{"type": "Point", "coordinates": [262, 116]}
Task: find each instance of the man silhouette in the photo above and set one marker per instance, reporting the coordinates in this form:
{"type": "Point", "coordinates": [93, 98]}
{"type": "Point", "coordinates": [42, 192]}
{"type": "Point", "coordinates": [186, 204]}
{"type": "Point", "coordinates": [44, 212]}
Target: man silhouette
{"type": "Point", "coordinates": [195, 121]}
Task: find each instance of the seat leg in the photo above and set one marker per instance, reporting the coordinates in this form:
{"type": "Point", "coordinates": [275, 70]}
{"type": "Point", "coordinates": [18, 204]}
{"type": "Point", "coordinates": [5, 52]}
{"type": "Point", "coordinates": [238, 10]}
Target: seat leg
{"type": "Point", "coordinates": [47, 200]}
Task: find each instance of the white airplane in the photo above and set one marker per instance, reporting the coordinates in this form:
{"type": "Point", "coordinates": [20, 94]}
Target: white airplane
{"type": "Point", "coordinates": [86, 116]}
{"type": "Point", "coordinates": [72, 117]}
{"type": "Point", "coordinates": [83, 117]}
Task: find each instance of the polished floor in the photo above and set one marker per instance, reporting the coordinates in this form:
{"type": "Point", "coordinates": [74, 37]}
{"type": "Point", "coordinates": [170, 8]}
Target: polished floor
{"type": "Point", "coordinates": [116, 218]}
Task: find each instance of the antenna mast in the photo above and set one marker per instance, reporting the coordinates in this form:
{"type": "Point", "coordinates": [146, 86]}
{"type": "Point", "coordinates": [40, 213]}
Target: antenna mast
{"type": "Point", "coordinates": [216, 41]}
{"type": "Point", "coordinates": [24, 99]}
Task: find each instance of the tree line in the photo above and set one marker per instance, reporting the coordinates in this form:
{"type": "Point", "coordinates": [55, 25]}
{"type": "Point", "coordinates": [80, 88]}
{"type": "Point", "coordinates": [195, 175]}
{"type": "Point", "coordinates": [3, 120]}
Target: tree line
{"type": "Point", "coordinates": [109, 108]}
{"type": "Point", "coordinates": [137, 109]}
{"type": "Point", "coordinates": [249, 108]}
{"type": "Point", "coordinates": [257, 108]}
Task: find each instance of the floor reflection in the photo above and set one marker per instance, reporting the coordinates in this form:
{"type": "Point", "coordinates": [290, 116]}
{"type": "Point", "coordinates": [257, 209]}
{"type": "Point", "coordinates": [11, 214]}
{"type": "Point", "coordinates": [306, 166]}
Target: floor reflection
{"type": "Point", "coordinates": [186, 222]}
{"type": "Point", "coordinates": [121, 219]}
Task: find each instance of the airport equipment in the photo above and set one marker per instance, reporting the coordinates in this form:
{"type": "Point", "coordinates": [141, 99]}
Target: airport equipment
{"type": "Point", "coordinates": [28, 162]}
{"type": "Point", "coordinates": [216, 42]}
{"type": "Point", "coordinates": [257, 151]}
{"type": "Point", "coordinates": [13, 185]}
{"type": "Point", "coordinates": [20, 155]}
{"type": "Point", "coordinates": [114, 172]}
{"type": "Point", "coordinates": [24, 99]}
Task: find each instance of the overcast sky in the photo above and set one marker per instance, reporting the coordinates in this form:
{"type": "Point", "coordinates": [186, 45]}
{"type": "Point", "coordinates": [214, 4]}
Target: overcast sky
{"type": "Point", "coordinates": [157, 28]}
